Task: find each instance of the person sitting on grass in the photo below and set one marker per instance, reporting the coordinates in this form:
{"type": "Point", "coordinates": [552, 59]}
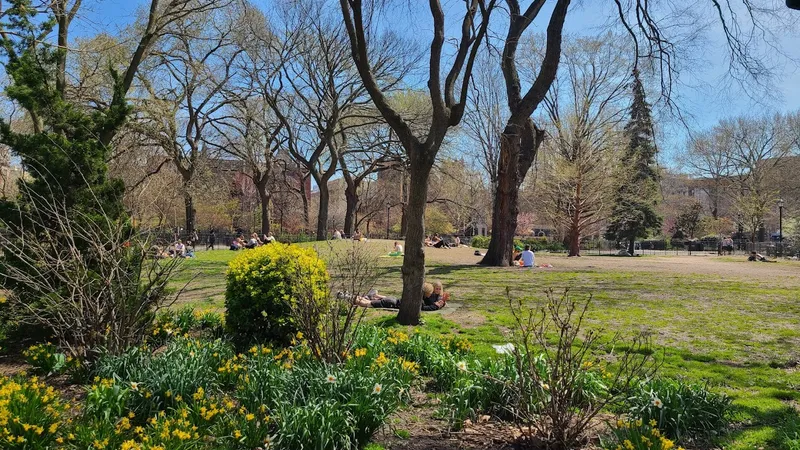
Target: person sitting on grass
{"type": "Point", "coordinates": [527, 257]}
{"type": "Point", "coordinates": [439, 242]}
{"type": "Point", "coordinates": [180, 249]}
{"type": "Point", "coordinates": [758, 257]}
{"type": "Point", "coordinates": [254, 241]}
{"type": "Point", "coordinates": [236, 244]}
{"type": "Point", "coordinates": [397, 251]}
{"type": "Point", "coordinates": [431, 301]}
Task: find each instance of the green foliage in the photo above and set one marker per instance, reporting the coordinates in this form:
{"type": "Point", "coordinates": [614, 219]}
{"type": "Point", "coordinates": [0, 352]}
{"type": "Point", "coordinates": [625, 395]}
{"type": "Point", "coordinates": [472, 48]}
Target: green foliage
{"type": "Point", "coordinates": [106, 400]}
{"type": "Point", "coordinates": [538, 244]}
{"type": "Point", "coordinates": [262, 283]}
{"type": "Point", "coordinates": [437, 222]}
{"type": "Point", "coordinates": [688, 222]}
{"type": "Point", "coordinates": [682, 410]}
{"type": "Point", "coordinates": [46, 359]}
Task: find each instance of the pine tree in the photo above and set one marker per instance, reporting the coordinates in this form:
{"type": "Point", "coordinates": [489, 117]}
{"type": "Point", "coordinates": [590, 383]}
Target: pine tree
{"type": "Point", "coordinates": [63, 158]}
{"type": "Point", "coordinates": [634, 214]}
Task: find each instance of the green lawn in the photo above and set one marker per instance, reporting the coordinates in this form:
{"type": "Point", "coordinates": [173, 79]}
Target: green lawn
{"type": "Point", "coordinates": [733, 325]}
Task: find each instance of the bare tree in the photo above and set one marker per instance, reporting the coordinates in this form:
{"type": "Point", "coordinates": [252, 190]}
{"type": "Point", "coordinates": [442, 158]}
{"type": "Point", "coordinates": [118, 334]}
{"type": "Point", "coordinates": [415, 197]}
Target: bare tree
{"type": "Point", "coordinates": [329, 95]}
{"type": "Point", "coordinates": [585, 106]}
{"type": "Point", "coordinates": [447, 111]}
{"type": "Point", "coordinates": [193, 68]}
{"type": "Point", "coordinates": [708, 160]}
{"type": "Point", "coordinates": [756, 147]}
{"type": "Point", "coordinates": [370, 149]}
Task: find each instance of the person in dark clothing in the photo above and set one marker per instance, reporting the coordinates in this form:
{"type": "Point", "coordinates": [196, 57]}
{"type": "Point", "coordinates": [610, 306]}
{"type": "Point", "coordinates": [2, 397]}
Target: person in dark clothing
{"type": "Point", "coordinates": [212, 239]}
{"type": "Point", "coordinates": [431, 301]}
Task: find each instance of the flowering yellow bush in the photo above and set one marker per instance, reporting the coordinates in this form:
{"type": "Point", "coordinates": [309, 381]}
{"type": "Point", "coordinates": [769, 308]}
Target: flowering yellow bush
{"type": "Point", "coordinates": [637, 435]}
{"type": "Point", "coordinates": [263, 282]}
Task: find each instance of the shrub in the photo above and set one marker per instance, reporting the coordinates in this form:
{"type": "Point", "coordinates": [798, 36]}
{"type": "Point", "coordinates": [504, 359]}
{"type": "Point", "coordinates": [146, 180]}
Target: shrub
{"type": "Point", "coordinates": [684, 411]}
{"type": "Point", "coordinates": [330, 325]}
{"type": "Point", "coordinates": [480, 241]}
{"type": "Point", "coordinates": [638, 435]}
{"type": "Point", "coordinates": [262, 284]}
{"type": "Point", "coordinates": [93, 288]}
{"type": "Point", "coordinates": [30, 414]}
{"type": "Point", "coordinates": [558, 398]}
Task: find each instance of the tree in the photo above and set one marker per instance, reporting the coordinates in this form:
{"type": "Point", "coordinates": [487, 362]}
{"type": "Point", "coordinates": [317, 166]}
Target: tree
{"type": "Point", "coordinates": [63, 153]}
{"type": "Point", "coordinates": [708, 160]}
{"type": "Point", "coordinates": [689, 220]}
{"type": "Point", "coordinates": [447, 111]}
{"type": "Point", "coordinates": [521, 138]}
{"type": "Point", "coordinates": [578, 186]}
{"type": "Point", "coordinates": [369, 151]}
{"type": "Point", "coordinates": [194, 66]}
{"type": "Point", "coordinates": [756, 147]}
{"type": "Point", "coordinates": [633, 215]}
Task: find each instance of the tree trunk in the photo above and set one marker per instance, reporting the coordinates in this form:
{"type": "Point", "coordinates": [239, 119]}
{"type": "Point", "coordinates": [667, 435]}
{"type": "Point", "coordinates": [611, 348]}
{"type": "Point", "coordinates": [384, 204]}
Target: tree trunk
{"type": "Point", "coordinates": [190, 212]}
{"type": "Point", "coordinates": [413, 269]}
{"type": "Point", "coordinates": [505, 206]}
{"type": "Point", "coordinates": [322, 215]}
{"type": "Point", "coordinates": [519, 145]}
{"type": "Point", "coordinates": [304, 197]}
{"type": "Point", "coordinates": [575, 225]}
{"type": "Point", "coordinates": [265, 197]}
{"type": "Point", "coordinates": [351, 195]}
{"type": "Point", "coordinates": [632, 246]}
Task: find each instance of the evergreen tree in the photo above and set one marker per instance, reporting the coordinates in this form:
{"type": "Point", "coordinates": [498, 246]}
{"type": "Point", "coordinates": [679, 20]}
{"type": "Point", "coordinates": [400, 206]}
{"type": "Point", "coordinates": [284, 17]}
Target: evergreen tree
{"type": "Point", "coordinates": [634, 214]}
{"type": "Point", "coordinates": [63, 158]}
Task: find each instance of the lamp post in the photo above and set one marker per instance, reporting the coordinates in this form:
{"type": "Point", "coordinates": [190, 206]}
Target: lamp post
{"type": "Point", "coordinates": [780, 227]}
{"type": "Point", "coordinates": [387, 219]}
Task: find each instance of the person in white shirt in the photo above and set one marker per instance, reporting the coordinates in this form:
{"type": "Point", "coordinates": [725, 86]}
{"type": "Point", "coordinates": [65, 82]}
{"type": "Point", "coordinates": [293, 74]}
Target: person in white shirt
{"type": "Point", "coordinates": [180, 249]}
{"type": "Point", "coordinates": [527, 257]}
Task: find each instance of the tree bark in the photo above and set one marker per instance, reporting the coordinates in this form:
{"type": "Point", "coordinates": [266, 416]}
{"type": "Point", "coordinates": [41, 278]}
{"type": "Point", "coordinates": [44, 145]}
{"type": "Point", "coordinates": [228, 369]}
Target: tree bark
{"type": "Point", "coordinates": [632, 246]}
{"type": "Point", "coordinates": [413, 269]}
{"type": "Point", "coordinates": [322, 212]}
{"type": "Point", "coordinates": [575, 226]}
{"type": "Point", "coordinates": [304, 197]}
{"type": "Point", "coordinates": [191, 213]}
{"type": "Point", "coordinates": [505, 206]}
{"type": "Point", "coordinates": [519, 145]}
{"type": "Point", "coordinates": [351, 196]}
{"type": "Point", "coordinates": [265, 196]}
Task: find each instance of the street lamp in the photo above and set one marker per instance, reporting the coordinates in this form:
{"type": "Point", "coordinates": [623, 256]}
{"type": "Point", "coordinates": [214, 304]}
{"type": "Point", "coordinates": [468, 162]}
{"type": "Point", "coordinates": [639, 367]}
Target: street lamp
{"type": "Point", "coordinates": [387, 219]}
{"type": "Point", "coordinates": [780, 226]}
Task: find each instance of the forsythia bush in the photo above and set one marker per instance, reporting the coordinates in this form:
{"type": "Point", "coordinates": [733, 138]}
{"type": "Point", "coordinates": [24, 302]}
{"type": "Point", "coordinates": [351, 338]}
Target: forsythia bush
{"type": "Point", "coordinates": [262, 283]}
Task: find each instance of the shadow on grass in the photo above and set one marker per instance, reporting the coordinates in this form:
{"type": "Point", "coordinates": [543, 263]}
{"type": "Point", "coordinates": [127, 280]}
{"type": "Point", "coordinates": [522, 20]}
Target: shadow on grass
{"type": "Point", "coordinates": [784, 422]}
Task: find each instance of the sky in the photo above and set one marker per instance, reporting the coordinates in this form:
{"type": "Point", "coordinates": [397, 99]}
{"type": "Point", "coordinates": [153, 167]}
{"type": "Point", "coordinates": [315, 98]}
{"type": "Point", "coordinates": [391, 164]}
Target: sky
{"type": "Point", "coordinates": [704, 93]}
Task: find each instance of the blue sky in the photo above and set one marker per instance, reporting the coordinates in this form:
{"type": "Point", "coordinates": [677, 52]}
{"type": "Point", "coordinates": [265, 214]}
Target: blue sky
{"type": "Point", "coordinates": [704, 93]}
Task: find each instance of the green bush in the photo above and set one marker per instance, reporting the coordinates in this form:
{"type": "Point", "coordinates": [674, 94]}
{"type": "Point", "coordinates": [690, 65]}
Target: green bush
{"type": "Point", "coordinates": [538, 244]}
{"type": "Point", "coordinates": [46, 359]}
{"type": "Point", "coordinates": [262, 282]}
{"type": "Point", "coordinates": [683, 411]}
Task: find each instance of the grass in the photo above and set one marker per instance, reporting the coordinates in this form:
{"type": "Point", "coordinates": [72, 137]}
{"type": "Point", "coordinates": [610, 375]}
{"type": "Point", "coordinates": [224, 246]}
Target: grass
{"type": "Point", "coordinates": [737, 333]}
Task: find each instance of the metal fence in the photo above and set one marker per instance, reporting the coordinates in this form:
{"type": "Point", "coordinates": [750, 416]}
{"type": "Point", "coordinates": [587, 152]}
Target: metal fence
{"type": "Point", "coordinates": [703, 247]}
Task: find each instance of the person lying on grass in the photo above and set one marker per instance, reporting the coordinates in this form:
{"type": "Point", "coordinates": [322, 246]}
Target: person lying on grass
{"type": "Point", "coordinates": [433, 299]}
{"type": "Point", "coordinates": [758, 257]}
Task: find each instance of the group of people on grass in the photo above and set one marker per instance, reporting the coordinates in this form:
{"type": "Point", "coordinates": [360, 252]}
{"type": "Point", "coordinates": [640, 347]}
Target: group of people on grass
{"type": "Point", "coordinates": [356, 236]}
{"type": "Point", "coordinates": [239, 242]}
{"type": "Point", "coordinates": [433, 298]}
{"type": "Point", "coordinates": [438, 242]}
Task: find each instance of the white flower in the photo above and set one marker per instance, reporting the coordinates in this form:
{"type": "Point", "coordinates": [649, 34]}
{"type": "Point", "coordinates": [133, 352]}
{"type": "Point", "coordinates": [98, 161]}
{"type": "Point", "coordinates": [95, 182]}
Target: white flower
{"type": "Point", "coordinates": [505, 349]}
{"type": "Point", "coordinates": [330, 379]}
{"type": "Point", "coordinates": [545, 386]}
{"type": "Point", "coordinates": [462, 366]}
{"type": "Point", "coordinates": [377, 389]}
{"type": "Point", "coordinates": [657, 403]}
{"type": "Point", "coordinates": [134, 386]}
